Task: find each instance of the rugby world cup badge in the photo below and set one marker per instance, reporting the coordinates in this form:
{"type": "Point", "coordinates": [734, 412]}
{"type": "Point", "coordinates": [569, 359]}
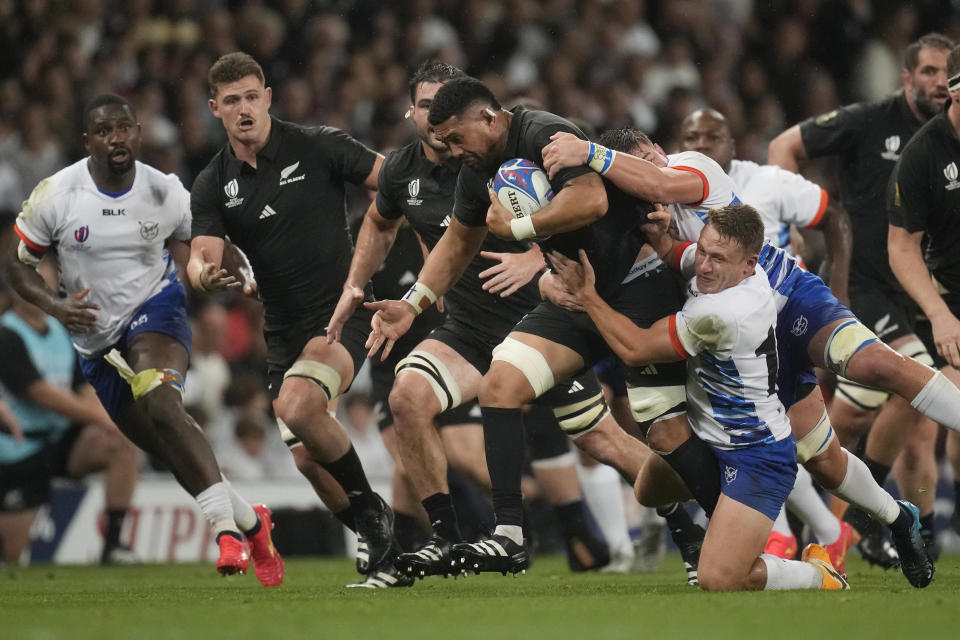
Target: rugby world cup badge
{"type": "Point", "coordinates": [413, 188]}
{"type": "Point", "coordinates": [81, 234]}
{"type": "Point", "coordinates": [232, 188]}
{"type": "Point", "coordinates": [950, 173]}
{"type": "Point", "coordinates": [892, 146]}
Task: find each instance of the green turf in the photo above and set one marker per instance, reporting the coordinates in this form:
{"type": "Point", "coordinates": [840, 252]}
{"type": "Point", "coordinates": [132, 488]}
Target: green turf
{"type": "Point", "coordinates": [191, 601]}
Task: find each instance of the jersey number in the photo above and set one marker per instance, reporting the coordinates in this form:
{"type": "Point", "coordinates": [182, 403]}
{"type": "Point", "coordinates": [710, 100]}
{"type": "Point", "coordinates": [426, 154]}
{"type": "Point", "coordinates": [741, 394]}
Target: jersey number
{"type": "Point", "coordinates": [768, 349]}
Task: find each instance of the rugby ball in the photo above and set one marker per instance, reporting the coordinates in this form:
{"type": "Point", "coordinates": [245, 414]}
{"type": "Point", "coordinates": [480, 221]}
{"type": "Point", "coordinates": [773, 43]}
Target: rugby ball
{"type": "Point", "coordinates": [522, 187]}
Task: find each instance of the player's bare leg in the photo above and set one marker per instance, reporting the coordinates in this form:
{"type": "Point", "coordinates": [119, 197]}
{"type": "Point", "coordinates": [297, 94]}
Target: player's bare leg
{"type": "Point", "coordinates": [15, 535]}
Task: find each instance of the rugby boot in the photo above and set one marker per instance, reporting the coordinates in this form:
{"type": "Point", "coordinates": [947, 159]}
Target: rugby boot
{"type": "Point", "coordinates": [838, 548]}
{"type": "Point", "coordinates": [689, 543]}
{"type": "Point", "coordinates": [587, 553]}
{"type": "Point", "coordinates": [496, 553]}
{"type": "Point", "coordinates": [363, 555]}
{"type": "Point", "coordinates": [916, 565]}
{"type": "Point", "coordinates": [432, 558]}
{"type": "Point", "coordinates": [267, 562]}
{"type": "Point", "coordinates": [873, 545]}
{"type": "Point", "coordinates": [375, 524]}
{"type": "Point", "coordinates": [781, 545]}
{"type": "Point", "coordinates": [234, 555]}
{"type": "Point", "coordinates": [118, 555]}
{"type": "Point", "coordinates": [817, 556]}
{"type": "Point", "coordinates": [386, 576]}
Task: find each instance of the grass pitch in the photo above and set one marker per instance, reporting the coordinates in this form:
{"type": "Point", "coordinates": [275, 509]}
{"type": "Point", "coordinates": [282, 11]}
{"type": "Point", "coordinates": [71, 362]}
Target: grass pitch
{"type": "Point", "coordinates": [191, 601]}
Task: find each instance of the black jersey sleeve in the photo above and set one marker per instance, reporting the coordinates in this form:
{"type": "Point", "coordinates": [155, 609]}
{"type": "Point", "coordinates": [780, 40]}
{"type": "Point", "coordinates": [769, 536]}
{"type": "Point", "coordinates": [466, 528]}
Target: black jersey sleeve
{"type": "Point", "coordinates": [471, 198]}
{"type": "Point", "coordinates": [538, 137]}
{"type": "Point", "coordinates": [387, 205]}
{"type": "Point", "coordinates": [205, 206]}
{"type": "Point", "coordinates": [349, 158]}
{"type": "Point", "coordinates": [908, 197]}
{"type": "Point", "coordinates": [834, 132]}
{"type": "Point", "coordinates": [17, 371]}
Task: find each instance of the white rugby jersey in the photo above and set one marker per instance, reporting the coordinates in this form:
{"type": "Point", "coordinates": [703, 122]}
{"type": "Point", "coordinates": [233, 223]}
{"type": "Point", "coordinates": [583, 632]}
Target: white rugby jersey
{"type": "Point", "coordinates": [112, 243]}
{"type": "Point", "coordinates": [729, 338]}
{"type": "Point", "coordinates": [781, 197]}
{"type": "Point", "coordinates": [718, 191]}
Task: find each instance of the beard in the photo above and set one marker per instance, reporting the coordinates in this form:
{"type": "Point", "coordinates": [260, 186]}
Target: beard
{"type": "Point", "coordinates": [925, 104]}
{"type": "Point", "coordinates": [121, 168]}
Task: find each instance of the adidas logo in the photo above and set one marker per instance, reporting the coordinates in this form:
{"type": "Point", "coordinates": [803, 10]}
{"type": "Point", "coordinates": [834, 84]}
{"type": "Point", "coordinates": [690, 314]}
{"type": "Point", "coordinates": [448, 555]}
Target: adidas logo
{"type": "Point", "coordinates": [446, 221]}
{"type": "Point", "coordinates": [576, 386]}
{"type": "Point", "coordinates": [267, 212]}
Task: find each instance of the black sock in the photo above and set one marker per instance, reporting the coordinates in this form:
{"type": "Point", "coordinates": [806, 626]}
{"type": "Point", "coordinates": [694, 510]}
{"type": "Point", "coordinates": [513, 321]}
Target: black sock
{"type": "Point", "coordinates": [253, 530]}
{"type": "Point", "coordinates": [349, 473]}
{"type": "Point", "coordinates": [878, 470]}
{"type": "Point", "coordinates": [443, 517]}
{"type": "Point", "coordinates": [232, 534]}
{"type": "Point", "coordinates": [682, 528]}
{"type": "Point", "coordinates": [956, 495]}
{"type": "Point", "coordinates": [696, 464]}
{"type": "Point", "coordinates": [926, 524]}
{"type": "Point", "coordinates": [111, 537]}
{"type": "Point", "coordinates": [572, 519]}
{"type": "Point", "coordinates": [407, 531]}
{"type": "Point", "coordinates": [346, 517]}
{"type": "Point", "coordinates": [504, 445]}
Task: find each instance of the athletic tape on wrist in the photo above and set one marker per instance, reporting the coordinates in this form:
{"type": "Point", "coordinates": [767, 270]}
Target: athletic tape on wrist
{"type": "Point", "coordinates": [600, 159]}
{"type": "Point", "coordinates": [522, 228]}
{"type": "Point", "coordinates": [420, 297]}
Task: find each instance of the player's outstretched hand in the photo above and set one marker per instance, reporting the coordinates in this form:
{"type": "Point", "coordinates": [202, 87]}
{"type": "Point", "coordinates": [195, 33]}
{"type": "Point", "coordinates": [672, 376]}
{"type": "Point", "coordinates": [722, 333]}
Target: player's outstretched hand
{"type": "Point", "coordinates": [214, 278]}
{"type": "Point", "coordinates": [577, 278]}
{"type": "Point", "coordinates": [511, 271]}
{"type": "Point", "coordinates": [9, 423]}
{"type": "Point", "coordinates": [565, 150]}
{"type": "Point", "coordinates": [391, 320]}
{"type": "Point", "coordinates": [553, 290]}
{"type": "Point", "coordinates": [349, 299]}
{"type": "Point", "coordinates": [73, 312]}
{"type": "Point", "coordinates": [946, 335]}
{"type": "Point", "coordinates": [498, 218]}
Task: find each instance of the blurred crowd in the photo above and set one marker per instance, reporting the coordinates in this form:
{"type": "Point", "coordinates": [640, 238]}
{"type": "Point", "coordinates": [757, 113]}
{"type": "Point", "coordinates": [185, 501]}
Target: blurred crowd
{"type": "Point", "coordinates": [345, 63]}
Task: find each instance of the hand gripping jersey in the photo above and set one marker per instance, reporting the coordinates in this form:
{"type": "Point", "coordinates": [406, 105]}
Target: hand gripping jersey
{"type": "Point", "coordinates": [780, 197]}
{"type": "Point", "coordinates": [730, 339]}
{"type": "Point", "coordinates": [111, 243]}
{"type": "Point", "coordinates": [718, 191]}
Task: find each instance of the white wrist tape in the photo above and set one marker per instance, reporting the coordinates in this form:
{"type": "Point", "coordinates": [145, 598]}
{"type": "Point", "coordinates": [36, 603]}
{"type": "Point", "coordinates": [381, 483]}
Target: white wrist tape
{"type": "Point", "coordinates": [420, 297]}
{"type": "Point", "coordinates": [522, 228]}
{"type": "Point", "coordinates": [599, 158]}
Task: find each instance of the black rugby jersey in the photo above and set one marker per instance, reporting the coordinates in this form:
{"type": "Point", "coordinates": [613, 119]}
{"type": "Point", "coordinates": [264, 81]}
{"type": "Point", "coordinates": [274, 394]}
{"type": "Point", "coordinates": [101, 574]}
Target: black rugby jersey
{"type": "Point", "coordinates": [288, 215]}
{"type": "Point", "coordinates": [412, 186]}
{"type": "Point", "coordinates": [924, 195]}
{"type": "Point", "coordinates": [611, 243]}
{"type": "Point", "coordinates": [868, 138]}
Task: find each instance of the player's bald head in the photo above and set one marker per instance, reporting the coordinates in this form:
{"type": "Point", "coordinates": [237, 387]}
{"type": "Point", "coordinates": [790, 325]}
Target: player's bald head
{"type": "Point", "coordinates": [108, 100]}
{"type": "Point", "coordinates": [707, 115]}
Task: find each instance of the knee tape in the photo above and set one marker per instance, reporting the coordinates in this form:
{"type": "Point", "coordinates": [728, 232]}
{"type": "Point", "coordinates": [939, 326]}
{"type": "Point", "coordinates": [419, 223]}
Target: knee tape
{"type": "Point", "coordinates": [817, 441]}
{"type": "Point", "coordinates": [442, 382]}
{"type": "Point", "coordinates": [288, 438]}
{"type": "Point", "coordinates": [916, 350]}
{"type": "Point", "coordinates": [529, 361]}
{"type": "Point", "coordinates": [147, 380]}
{"type": "Point", "coordinates": [650, 403]}
{"type": "Point", "coordinates": [856, 395]}
{"type": "Point", "coordinates": [581, 417]}
{"type": "Point", "coordinates": [325, 376]}
{"type": "Point", "coordinates": [845, 341]}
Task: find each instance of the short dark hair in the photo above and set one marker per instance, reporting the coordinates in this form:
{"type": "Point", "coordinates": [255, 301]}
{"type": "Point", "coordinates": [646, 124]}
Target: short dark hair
{"type": "Point", "coordinates": [624, 139]}
{"type": "Point", "coordinates": [456, 96]}
{"type": "Point", "coordinates": [911, 57]}
{"type": "Point", "coordinates": [739, 222]}
{"type": "Point", "coordinates": [433, 71]}
{"type": "Point", "coordinates": [104, 100]}
{"type": "Point", "coordinates": [953, 62]}
{"type": "Point", "coordinates": [232, 67]}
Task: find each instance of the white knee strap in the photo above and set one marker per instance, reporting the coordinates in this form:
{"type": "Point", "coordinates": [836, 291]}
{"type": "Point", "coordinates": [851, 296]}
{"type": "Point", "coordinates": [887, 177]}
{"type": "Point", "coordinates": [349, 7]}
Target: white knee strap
{"type": "Point", "coordinates": [649, 403]}
{"type": "Point", "coordinates": [529, 361]}
{"type": "Point", "coordinates": [431, 367]}
{"type": "Point", "coordinates": [581, 417]}
{"type": "Point", "coordinates": [817, 441]}
{"type": "Point", "coordinates": [845, 341]}
{"type": "Point", "coordinates": [915, 349]}
{"type": "Point", "coordinates": [859, 396]}
{"type": "Point", "coordinates": [325, 376]}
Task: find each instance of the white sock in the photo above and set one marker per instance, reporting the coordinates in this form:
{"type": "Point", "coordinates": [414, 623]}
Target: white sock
{"type": "Point", "coordinates": [511, 531]}
{"type": "Point", "coordinates": [939, 400]}
{"type": "Point", "coordinates": [601, 490]}
{"type": "Point", "coordinates": [781, 525]}
{"type": "Point", "coordinates": [214, 502]}
{"type": "Point", "coordinates": [790, 574]}
{"type": "Point", "coordinates": [861, 490]}
{"type": "Point", "coordinates": [806, 504]}
{"type": "Point", "coordinates": [243, 513]}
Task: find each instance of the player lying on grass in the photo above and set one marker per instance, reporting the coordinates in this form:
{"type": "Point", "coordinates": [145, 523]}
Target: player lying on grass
{"type": "Point", "coordinates": [726, 332]}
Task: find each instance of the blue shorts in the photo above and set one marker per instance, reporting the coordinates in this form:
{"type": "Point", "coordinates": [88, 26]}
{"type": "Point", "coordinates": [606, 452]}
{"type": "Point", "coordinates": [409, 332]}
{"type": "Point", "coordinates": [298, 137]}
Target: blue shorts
{"type": "Point", "coordinates": [760, 476]}
{"type": "Point", "coordinates": [165, 313]}
{"type": "Point", "coordinates": [810, 307]}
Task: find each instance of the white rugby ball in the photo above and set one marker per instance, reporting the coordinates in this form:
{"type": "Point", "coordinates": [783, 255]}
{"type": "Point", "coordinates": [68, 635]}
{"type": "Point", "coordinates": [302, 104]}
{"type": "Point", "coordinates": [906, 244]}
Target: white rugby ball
{"type": "Point", "coordinates": [522, 187]}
